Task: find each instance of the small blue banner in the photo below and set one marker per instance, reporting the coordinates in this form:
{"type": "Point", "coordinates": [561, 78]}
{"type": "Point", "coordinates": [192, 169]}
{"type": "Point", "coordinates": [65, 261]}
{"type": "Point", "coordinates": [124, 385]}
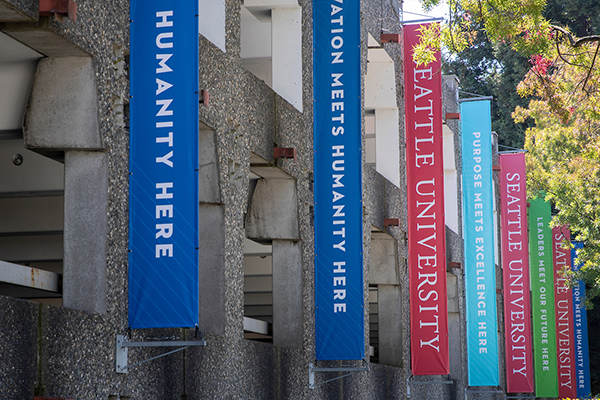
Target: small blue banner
{"type": "Point", "coordinates": [478, 230]}
{"type": "Point", "coordinates": [582, 350]}
{"type": "Point", "coordinates": [163, 164]}
{"type": "Point", "coordinates": [339, 295]}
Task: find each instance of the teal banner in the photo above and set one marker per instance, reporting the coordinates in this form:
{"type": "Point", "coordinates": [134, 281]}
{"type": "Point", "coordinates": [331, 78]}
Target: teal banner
{"type": "Point", "coordinates": [542, 299]}
{"type": "Point", "coordinates": [480, 267]}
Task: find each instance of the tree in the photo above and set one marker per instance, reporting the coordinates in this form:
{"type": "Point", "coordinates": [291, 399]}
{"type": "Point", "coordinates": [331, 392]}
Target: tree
{"type": "Point", "coordinates": [495, 71]}
{"type": "Point", "coordinates": [564, 144]}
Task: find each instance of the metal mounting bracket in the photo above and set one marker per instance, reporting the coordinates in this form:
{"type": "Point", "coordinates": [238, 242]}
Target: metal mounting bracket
{"type": "Point", "coordinates": [312, 369]}
{"type": "Point", "coordinates": [409, 382]}
{"type": "Point", "coordinates": [468, 391]}
{"type": "Point", "coordinates": [123, 344]}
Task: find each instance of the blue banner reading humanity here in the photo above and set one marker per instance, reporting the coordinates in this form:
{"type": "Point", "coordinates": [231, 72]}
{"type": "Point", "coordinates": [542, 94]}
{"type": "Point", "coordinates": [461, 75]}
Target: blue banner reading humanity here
{"type": "Point", "coordinates": [480, 267]}
{"type": "Point", "coordinates": [163, 163]}
{"type": "Point", "coordinates": [339, 295]}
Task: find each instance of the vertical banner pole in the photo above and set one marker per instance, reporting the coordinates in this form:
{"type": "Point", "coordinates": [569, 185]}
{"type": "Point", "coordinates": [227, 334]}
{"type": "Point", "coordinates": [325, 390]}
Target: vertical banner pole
{"type": "Point", "coordinates": [480, 266]}
{"type": "Point", "coordinates": [163, 164]}
{"type": "Point", "coordinates": [582, 349]}
{"type": "Point", "coordinates": [426, 224]}
{"type": "Point", "coordinates": [339, 296]}
{"type": "Point", "coordinates": [563, 298]}
{"type": "Point", "coordinates": [515, 265]}
{"type": "Point", "coordinates": [542, 298]}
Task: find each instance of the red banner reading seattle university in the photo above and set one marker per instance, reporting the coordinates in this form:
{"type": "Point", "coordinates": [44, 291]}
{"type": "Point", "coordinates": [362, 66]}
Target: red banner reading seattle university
{"type": "Point", "coordinates": [563, 306]}
{"type": "Point", "coordinates": [515, 266]}
{"type": "Point", "coordinates": [426, 225]}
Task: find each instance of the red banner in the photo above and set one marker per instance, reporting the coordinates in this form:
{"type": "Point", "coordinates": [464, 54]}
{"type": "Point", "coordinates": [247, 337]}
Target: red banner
{"type": "Point", "coordinates": [515, 265]}
{"type": "Point", "coordinates": [563, 302]}
{"type": "Point", "coordinates": [426, 225]}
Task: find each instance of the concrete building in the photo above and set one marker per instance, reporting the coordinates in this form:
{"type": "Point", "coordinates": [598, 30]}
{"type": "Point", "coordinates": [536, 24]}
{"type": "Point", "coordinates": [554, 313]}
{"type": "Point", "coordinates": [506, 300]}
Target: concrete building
{"type": "Point", "coordinates": [64, 141]}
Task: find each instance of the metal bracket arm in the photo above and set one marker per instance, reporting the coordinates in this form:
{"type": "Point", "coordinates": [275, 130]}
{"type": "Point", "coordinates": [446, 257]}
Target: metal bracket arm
{"type": "Point", "coordinates": [312, 369]}
{"type": "Point", "coordinates": [409, 382]}
{"type": "Point", "coordinates": [492, 391]}
{"type": "Point", "coordinates": [123, 344]}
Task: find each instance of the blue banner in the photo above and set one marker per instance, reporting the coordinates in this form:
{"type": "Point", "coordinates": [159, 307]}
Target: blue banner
{"type": "Point", "coordinates": [339, 296]}
{"type": "Point", "coordinates": [163, 164]}
{"type": "Point", "coordinates": [582, 351]}
{"type": "Point", "coordinates": [478, 230]}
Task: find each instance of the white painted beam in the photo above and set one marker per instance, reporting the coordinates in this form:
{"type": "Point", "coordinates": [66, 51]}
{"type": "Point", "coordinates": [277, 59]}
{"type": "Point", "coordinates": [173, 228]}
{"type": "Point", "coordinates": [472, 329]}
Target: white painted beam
{"type": "Point", "coordinates": [29, 277]}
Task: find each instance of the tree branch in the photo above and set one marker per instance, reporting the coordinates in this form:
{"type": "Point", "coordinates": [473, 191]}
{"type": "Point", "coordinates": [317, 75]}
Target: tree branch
{"type": "Point", "coordinates": [575, 43]}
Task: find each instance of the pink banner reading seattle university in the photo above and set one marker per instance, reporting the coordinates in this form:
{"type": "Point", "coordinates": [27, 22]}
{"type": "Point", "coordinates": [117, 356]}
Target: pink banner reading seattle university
{"type": "Point", "coordinates": [426, 224]}
{"type": "Point", "coordinates": [515, 265]}
{"type": "Point", "coordinates": [563, 299]}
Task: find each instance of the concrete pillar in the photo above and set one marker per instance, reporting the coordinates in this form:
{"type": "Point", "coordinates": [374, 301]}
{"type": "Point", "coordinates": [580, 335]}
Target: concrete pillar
{"type": "Point", "coordinates": [384, 260]}
{"type": "Point", "coordinates": [286, 31]}
{"type": "Point", "coordinates": [85, 231]}
{"type": "Point", "coordinates": [384, 273]}
{"type": "Point", "coordinates": [212, 269]}
{"type": "Point", "coordinates": [209, 188]}
{"type": "Point", "coordinates": [390, 325]}
{"type": "Point", "coordinates": [287, 294]}
{"type": "Point", "coordinates": [454, 339]}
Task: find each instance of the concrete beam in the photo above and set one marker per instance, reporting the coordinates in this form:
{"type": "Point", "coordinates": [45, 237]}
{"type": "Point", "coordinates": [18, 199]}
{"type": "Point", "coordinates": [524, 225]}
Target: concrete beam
{"type": "Point", "coordinates": [42, 38]}
{"type": "Point", "coordinates": [85, 231]}
{"type": "Point", "coordinates": [390, 325]}
{"type": "Point", "coordinates": [384, 260]}
{"type": "Point", "coordinates": [273, 212]}
{"type": "Point", "coordinates": [288, 314]}
{"type": "Point", "coordinates": [63, 109]}
{"type": "Point", "coordinates": [25, 12]}
{"type": "Point", "coordinates": [212, 269]}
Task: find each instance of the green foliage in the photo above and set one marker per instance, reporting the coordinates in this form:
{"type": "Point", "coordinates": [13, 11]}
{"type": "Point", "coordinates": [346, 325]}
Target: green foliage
{"type": "Point", "coordinates": [494, 70]}
{"type": "Point", "coordinates": [562, 89]}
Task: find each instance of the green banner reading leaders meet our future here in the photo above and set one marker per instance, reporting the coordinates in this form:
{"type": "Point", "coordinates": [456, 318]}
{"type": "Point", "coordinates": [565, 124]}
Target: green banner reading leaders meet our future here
{"type": "Point", "coordinates": [542, 298]}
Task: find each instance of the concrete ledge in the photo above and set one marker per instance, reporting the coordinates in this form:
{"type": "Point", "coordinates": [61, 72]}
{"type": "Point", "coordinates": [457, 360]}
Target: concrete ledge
{"type": "Point", "coordinates": [63, 107]}
{"type": "Point", "coordinates": [40, 37]}
{"type": "Point", "coordinates": [18, 10]}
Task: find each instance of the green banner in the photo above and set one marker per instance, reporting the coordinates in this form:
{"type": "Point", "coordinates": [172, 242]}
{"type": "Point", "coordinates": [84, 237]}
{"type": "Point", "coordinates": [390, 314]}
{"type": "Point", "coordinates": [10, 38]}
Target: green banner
{"type": "Point", "coordinates": [542, 299]}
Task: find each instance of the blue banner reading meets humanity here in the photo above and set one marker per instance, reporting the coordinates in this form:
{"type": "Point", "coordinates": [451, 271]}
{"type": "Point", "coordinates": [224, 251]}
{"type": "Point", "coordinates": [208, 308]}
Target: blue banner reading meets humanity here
{"type": "Point", "coordinates": [478, 220]}
{"type": "Point", "coordinates": [339, 295]}
{"type": "Point", "coordinates": [163, 159]}
{"type": "Point", "coordinates": [582, 351]}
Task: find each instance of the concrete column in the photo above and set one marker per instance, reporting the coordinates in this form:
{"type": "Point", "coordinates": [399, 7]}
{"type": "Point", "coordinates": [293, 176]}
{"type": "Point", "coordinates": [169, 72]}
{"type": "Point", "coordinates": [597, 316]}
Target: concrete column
{"type": "Point", "coordinates": [454, 339]}
{"type": "Point", "coordinates": [212, 269]}
{"type": "Point", "coordinates": [209, 188]}
{"type": "Point", "coordinates": [384, 260]}
{"type": "Point", "coordinates": [85, 231]}
{"type": "Point", "coordinates": [286, 31]}
{"type": "Point", "coordinates": [212, 21]}
{"type": "Point", "coordinates": [287, 294]}
{"type": "Point", "coordinates": [390, 325]}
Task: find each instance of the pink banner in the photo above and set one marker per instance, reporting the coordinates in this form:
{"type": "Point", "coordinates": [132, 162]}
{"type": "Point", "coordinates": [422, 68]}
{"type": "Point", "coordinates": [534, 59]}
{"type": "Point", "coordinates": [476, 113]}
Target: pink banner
{"type": "Point", "coordinates": [426, 225]}
{"type": "Point", "coordinates": [563, 299]}
{"type": "Point", "coordinates": [515, 265]}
